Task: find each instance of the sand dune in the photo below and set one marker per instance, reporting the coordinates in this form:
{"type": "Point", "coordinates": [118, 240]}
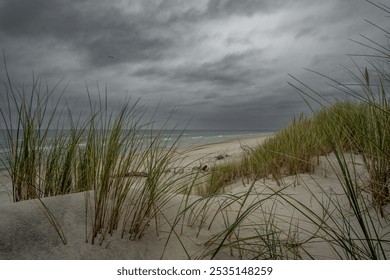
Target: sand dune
{"type": "Point", "coordinates": [26, 233]}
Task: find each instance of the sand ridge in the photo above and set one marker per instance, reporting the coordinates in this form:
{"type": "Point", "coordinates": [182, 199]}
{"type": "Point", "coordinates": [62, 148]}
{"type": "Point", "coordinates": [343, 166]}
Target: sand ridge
{"type": "Point", "coordinates": [27, 234]}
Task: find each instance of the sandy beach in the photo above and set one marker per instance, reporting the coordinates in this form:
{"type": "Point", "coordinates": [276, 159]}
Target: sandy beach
{"type": "Point", "coordinates": [195, 130]}
{"type": "Point", "coordinates": [26, 232]}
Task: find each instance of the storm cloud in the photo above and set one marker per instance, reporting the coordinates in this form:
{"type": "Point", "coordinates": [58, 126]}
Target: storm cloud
{"type": "Point", "coordinates": [222, 63]}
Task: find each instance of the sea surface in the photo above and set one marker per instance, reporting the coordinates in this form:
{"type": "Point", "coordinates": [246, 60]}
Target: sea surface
{"type": "Point", "coordinates": [187, 138]}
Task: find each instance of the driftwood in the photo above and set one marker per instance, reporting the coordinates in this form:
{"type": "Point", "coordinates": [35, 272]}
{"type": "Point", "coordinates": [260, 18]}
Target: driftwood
{"type": "Point", "coordinates": [201, 168]}
{"type": "Point", "coordinates": [221, 156]}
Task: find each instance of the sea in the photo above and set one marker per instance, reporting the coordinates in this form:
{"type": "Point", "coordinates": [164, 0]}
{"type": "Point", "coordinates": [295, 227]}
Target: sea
{"type": "Point", "coordinates": [188, 138]}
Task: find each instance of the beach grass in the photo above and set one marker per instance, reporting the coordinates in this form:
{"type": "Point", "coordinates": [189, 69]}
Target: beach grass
{"type": "Point", "coordinates": [353, 228]}
{"type": "Point", "coordinates": [356, 128]}
{"type": "Point", "coordinates": [115, 154]}
{"type": "Point", "coordinates": [125, 170]}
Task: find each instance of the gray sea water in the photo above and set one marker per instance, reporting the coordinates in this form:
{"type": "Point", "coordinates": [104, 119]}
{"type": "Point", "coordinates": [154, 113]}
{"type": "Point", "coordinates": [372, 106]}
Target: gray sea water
{"type": "Point", "coordinates": [187, 138]}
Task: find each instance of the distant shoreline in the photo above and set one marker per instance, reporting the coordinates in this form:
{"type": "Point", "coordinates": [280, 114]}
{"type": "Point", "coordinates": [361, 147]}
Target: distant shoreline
{"type": "Point", "coordinates": [187, 138]}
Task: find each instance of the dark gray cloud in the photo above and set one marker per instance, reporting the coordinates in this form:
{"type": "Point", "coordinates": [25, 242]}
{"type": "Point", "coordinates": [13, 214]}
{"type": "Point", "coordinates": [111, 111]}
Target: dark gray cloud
{"type": "Point", "coordinates": [246, 7]}
{"type": "Point", "coordinates": [231, 70]}
{"type": "Point", "coordinates": [223, 63]}
{"type": "Point", "coordinates": [101, 32]}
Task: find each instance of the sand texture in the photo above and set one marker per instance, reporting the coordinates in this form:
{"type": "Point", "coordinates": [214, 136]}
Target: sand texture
{"type": "Point", "coordinates": [26, 232]}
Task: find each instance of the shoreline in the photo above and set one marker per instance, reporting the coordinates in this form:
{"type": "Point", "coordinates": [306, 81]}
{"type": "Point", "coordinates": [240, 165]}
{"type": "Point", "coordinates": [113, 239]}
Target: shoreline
{"type": "Point", "coordinates": [191, 234]}
{"type": "Point", "coordinates": [231, 147]}
{"type": "Point", "coordinates": [193, 154]}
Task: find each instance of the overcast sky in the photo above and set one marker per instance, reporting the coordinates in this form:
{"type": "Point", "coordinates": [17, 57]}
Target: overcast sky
{"type": "Point", "coordinates": [223, 63]}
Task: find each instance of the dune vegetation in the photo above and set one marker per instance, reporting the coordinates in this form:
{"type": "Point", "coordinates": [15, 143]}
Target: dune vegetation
{"type": "Point", "coordinates": [115, 153]}
{"type": "Point", "coordinates": [355, 131]}
{"type": "Point", "coordinates": [125, 170]}
{"type": "Point", "coordinates": [353, 139]}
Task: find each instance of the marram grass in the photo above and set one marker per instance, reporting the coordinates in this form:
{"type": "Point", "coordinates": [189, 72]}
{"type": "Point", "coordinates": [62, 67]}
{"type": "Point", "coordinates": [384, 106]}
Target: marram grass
{"type": "Point", "coordinates": [347, 129]}
{"type": "Point", "coordinates": [128, 183]}
{"type": "Point", "coordinates": [53, 152]}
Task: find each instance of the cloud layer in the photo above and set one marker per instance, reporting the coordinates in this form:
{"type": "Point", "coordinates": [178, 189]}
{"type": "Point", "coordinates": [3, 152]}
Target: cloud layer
{"type": "Point", "coordinates": [223, 63]}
